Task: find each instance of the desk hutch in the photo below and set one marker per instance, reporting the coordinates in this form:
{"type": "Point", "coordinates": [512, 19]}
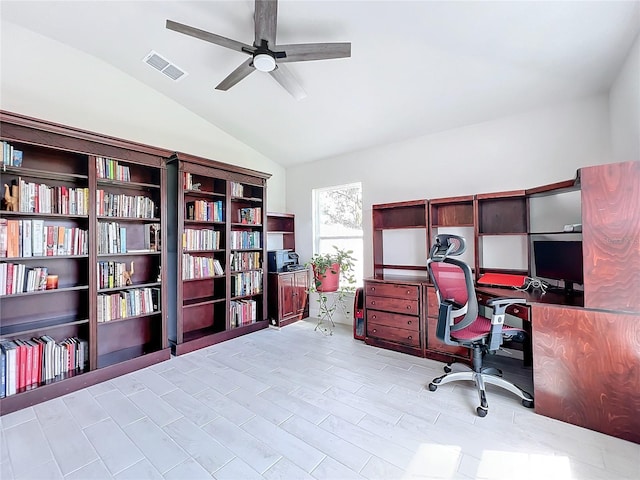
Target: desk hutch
{"type": "Point", "coordinates": [584, 349]}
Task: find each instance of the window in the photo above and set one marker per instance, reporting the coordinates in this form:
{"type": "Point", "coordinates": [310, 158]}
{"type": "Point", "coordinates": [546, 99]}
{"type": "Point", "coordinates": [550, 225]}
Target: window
{"type": "Point", "coordinates": [337, 220]}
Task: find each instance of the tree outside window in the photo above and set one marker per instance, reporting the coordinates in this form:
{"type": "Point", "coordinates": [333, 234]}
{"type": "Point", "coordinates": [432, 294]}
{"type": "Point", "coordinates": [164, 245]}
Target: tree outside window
{"type": "Point", "coordinates": [337, 221]}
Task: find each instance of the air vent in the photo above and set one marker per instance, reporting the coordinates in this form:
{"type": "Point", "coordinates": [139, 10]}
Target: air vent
{"type": "Point", "coordinates": [163, 65]}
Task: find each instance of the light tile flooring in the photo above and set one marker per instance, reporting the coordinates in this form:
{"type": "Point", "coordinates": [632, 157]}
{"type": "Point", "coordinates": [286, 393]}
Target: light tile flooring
{"type": "Point", "coordinates": [295, 404]}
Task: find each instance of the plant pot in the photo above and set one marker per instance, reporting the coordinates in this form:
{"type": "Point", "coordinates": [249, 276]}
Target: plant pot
{"type": "Point", "coordinates": [327, 281]}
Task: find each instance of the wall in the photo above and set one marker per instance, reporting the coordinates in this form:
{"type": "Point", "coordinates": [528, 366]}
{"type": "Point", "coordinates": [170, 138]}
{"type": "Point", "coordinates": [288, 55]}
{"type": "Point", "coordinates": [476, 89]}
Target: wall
{"type": "Point", "coordinates": [46, 79]}
{"type": "Point", "coordinates": [624, 104]}
{"type": "Point", "coordinates": [523, 151]}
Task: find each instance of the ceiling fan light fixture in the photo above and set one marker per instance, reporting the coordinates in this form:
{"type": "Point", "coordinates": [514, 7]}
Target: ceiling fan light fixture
{"type": "Point", "coordinates": [264, 62]}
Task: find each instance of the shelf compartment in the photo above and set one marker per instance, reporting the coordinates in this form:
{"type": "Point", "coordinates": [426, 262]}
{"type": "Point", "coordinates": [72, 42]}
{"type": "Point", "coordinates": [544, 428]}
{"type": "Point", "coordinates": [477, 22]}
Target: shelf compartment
{"type": "Point", "coordinates": [502, 215]}
{"type": "Point", "coordinates": [130, 287]}
{"type": "Point", "coordinates": [400, 215]}
{"type": "Point", "coordinates": [124, 340]}
{"type": "Point", "coordinates": [33, 327]}
{"type": "Point", "coordinates": [203, 317]}
{"type": "Point", "coordinates": [31, 173]}
{"type": "Point", "coordinates": [103, 182]}
{"type": "Point", "coordinates": [46, 292]}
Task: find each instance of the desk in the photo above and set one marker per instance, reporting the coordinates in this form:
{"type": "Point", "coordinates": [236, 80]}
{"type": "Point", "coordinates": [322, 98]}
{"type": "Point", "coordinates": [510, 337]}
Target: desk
{"type": "Point", "coordinates": [523, 311]}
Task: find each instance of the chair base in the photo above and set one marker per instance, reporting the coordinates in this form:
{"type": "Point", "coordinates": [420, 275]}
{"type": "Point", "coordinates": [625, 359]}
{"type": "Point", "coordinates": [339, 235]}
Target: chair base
{"type": "Point", "coordinates": [484, 375]}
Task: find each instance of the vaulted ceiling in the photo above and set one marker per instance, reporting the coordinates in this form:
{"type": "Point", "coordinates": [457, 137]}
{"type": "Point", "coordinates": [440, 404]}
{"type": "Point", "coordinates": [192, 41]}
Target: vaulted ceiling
{"type": "Point", "coordinates": [416, 67]}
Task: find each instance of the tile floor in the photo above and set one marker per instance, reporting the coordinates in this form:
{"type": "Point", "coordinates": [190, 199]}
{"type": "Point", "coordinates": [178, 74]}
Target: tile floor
{"type": "Point", "coordinates": [295, 404]}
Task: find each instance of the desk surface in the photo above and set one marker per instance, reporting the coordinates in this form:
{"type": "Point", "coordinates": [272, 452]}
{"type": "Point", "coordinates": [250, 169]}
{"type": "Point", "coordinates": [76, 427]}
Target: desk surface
{"type": "Point", "coordinates": [536, 296]}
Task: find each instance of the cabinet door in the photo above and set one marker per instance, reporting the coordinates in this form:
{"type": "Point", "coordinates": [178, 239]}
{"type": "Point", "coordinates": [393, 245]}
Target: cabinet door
{"type": "Point", "coordinates": [287, 296]}
{"type": "Point", "coordinates": [301, 297]}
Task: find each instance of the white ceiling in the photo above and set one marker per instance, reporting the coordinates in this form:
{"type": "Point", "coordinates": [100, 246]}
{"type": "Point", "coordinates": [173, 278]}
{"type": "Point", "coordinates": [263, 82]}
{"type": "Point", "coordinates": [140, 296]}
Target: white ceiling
{"type": "Point", "coordinates": [417, 67]}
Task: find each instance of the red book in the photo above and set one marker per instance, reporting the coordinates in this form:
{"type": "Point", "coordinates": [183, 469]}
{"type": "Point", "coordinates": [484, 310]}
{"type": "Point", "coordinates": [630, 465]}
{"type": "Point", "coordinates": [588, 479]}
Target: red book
{"type": "Point", "coordinates": [50, 240]}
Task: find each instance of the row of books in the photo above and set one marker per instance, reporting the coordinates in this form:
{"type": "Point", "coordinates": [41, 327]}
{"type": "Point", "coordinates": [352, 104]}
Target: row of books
{"type": "Point", "coordinates": [112, 238]}
{"type": "Point", "coordinates": [121, 205]}
{"type": "Point", "coordinates": [243, 312]}
{"type": "Point", "coordinates": [187, 183]}
{"type": "Point", "coordinates": [241, 239]}
{"type": "Point", "coordinates": [246, 283]}
{"type": "Point", "coordinates": [25, 364]}
{"type": "Point", "coordinates": [20, 278]}
{"type": "Point", "coordinates": [250, 216]}
{"type": "Point", "coordinates": [32, 238]}
{"type": "Point", "coordinates": [200, 267]}
{"type": "Point", "coordinates": [237, 189]}
{"type": "Point", "coordinates": [41, 198]}
{"type": "Point", "coordinates": [204, 211]}
{"type": "Point", "coordinates": [128, 303]}
{"type": "Point", "coordinates": [110, 169]}
{"type": "Point", "coordinates": [11, 156]}
{"type": "Point", "coordinates": [205, 239]}
{"type": "Point", "coordinates": [112, 274]}
{"type": "Point", "coordinates": [245, 261]}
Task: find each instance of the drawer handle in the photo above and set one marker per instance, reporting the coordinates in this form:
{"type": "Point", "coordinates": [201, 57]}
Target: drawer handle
{"type": "Point", "coordinates": [373, 302]}
{"type": "Point", "coordinates": [373, 289]}
{"type": "Point", "coordinates": [373, 317]}
{"type": "Point", "coordinates": [374, 330]}
{"type": "Point", "coordinates": [516, 310]}
{"type": "Point", "coordinates": [408, 292]}
{"type": "Point", "coordinates": [408, 307]}
{"type": "Point", "coordinates": [409, 322]}
{"type": "Point", "coordinates": [410, 337]}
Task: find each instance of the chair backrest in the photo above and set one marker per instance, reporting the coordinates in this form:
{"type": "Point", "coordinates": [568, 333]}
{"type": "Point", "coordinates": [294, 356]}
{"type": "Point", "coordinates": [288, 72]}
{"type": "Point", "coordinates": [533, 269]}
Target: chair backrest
{"type": "Point", "coordinates": [453, 281]}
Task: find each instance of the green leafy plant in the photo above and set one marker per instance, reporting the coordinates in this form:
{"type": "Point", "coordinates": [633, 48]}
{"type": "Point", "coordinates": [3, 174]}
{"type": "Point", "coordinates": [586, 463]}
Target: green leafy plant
{"type": "Point", "coordinates": [346, 269]}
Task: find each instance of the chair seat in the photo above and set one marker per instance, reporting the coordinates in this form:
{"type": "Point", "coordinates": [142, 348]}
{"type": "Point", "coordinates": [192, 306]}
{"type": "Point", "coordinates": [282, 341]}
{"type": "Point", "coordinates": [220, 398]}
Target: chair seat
{"type": "Point", "coordinates": [480, 329]}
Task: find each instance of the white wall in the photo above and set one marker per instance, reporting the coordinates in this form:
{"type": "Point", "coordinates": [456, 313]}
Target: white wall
{"type": "Point", "coordinates": [46, 79]}
{"type": "Point", "coordinates": [624, 104]}
{"type": "Point", "coordinates": [523, 151]}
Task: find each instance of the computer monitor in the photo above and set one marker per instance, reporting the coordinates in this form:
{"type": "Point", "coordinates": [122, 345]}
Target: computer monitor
{"type": "Point", "coordinates": [559, 260]}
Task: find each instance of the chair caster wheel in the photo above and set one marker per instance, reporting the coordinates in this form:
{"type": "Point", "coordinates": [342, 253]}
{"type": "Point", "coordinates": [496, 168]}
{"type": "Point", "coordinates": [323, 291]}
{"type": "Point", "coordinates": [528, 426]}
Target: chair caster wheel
{"type": "Point", "coordinates": [482, 412]}
{"type": "Point", "coordinates": [527, 403]}
{"type": "Point", "coordinates": [432, 387]}
{"type": "Point", "coordinates": [447, 369]}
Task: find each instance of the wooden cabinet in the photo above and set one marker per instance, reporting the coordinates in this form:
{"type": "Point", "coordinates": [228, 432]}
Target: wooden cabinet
{"type": "Point", "coordinates": [288, 297]}
{"type": "Point", "coordinates": [394, 313]}
{"type": "Point", "coordinates": [87, 204]}
{"type": "Point", "coordinates": [217, 252]}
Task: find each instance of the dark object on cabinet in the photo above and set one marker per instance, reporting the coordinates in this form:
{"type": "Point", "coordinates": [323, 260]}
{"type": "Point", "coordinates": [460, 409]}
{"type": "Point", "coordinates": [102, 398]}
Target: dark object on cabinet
{"type": "Point", "coordinates": [216, 256]}
{"type": "Point", "coordinates": [119, 340]}
{"type": "Point", "coordinates": [288, 297]}
{"type": "Point", "coordinates": [459, 323]}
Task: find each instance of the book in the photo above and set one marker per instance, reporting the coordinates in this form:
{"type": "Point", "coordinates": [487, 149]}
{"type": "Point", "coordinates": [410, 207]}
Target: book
{"type": "Point", "coordinates": [37, 238]}
{"type": "Point", "coordinates": [10, 350]}
{"type": "Point", "coordinates": [16, 159]}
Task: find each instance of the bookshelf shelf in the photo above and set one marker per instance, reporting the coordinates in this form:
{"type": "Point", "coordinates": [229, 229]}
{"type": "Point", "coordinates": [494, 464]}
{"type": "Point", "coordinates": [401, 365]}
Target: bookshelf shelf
{"type": "Point", "coordinates": [37, 326]}
{"type": "Point", "coordinates": [55, 178]}
{"type": "Point", "coordinates": [206, 310]}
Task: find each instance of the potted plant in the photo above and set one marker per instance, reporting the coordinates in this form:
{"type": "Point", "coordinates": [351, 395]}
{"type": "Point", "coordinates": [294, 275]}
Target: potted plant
{"type": "Point", "coordinates": [328, 271]}
{"type": "Point", "coordinates": [329, 268]}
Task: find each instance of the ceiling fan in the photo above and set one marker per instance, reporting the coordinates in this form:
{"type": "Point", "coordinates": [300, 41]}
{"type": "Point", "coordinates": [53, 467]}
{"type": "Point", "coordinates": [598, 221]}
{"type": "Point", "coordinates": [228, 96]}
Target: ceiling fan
{"type": "Point", "coordinates": [265, 54]}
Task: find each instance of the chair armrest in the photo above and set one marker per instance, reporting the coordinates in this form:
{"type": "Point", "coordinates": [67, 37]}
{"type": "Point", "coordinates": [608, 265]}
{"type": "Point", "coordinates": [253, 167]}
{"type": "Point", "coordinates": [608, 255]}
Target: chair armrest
{"type": "Point", "coordinates": [500, 304]}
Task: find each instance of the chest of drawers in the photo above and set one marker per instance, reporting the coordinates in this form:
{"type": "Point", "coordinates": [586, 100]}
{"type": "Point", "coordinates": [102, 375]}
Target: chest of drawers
{"type": "Point", "coordinates": [394, 315]}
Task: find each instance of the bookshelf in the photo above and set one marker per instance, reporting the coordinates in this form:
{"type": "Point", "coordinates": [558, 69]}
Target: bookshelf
{"type": "Point", "coordinates": [61, 267]}
{"type": "Point", "coordinates": [216, 253]}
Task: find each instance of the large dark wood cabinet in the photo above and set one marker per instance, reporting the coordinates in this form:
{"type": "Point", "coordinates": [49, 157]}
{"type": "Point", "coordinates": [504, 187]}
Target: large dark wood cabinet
{"type": "Point", "coordinates": [217, 252]}
{"type": "Point", "coordinates": [92, 201]}
{"type": "Point", "coordinates": [288, 297]}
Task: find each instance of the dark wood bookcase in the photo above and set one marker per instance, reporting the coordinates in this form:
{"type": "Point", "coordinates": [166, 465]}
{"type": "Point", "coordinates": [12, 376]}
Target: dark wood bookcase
{"type": "Point", "coordinates": [59, 171]}
{"type": "Point", "coordinates": [219, 211]}
{"type": "Point", "coordinates": [288, 293]}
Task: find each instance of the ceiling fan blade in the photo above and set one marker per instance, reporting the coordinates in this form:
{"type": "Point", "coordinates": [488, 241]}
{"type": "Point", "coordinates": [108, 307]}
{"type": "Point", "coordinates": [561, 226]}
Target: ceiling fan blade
{"type": "Point", "coordinates": [209, 37]}
{"type": "Point", "coordinates": [285, 78]}
{"type": "Point", "coordinates": [302, 52]}
{"type": "Point", "coordinates": [266, 19]}
{"type": "Point", "coordinates": [238, 74]}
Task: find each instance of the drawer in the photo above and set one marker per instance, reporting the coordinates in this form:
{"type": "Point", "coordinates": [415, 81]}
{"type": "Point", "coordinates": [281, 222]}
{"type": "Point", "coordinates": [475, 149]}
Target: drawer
{"type": "Point", "coordinates": [517, 310]}
{"type": "Point", "coordinates": [398, 305]}
{"type": "Point", "coordinates": [410, 292]}
{"type": "Point", "coordinates": [432, 302]}
{"type": "Point", "coordinates": [407, 322]}
{"type": "Point", "coordinates": [393, 334]}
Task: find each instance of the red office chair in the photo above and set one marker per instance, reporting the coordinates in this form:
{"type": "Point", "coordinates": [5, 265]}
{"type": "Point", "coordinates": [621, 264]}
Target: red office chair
{"type": "Point", "coordinates": [459, 322]}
